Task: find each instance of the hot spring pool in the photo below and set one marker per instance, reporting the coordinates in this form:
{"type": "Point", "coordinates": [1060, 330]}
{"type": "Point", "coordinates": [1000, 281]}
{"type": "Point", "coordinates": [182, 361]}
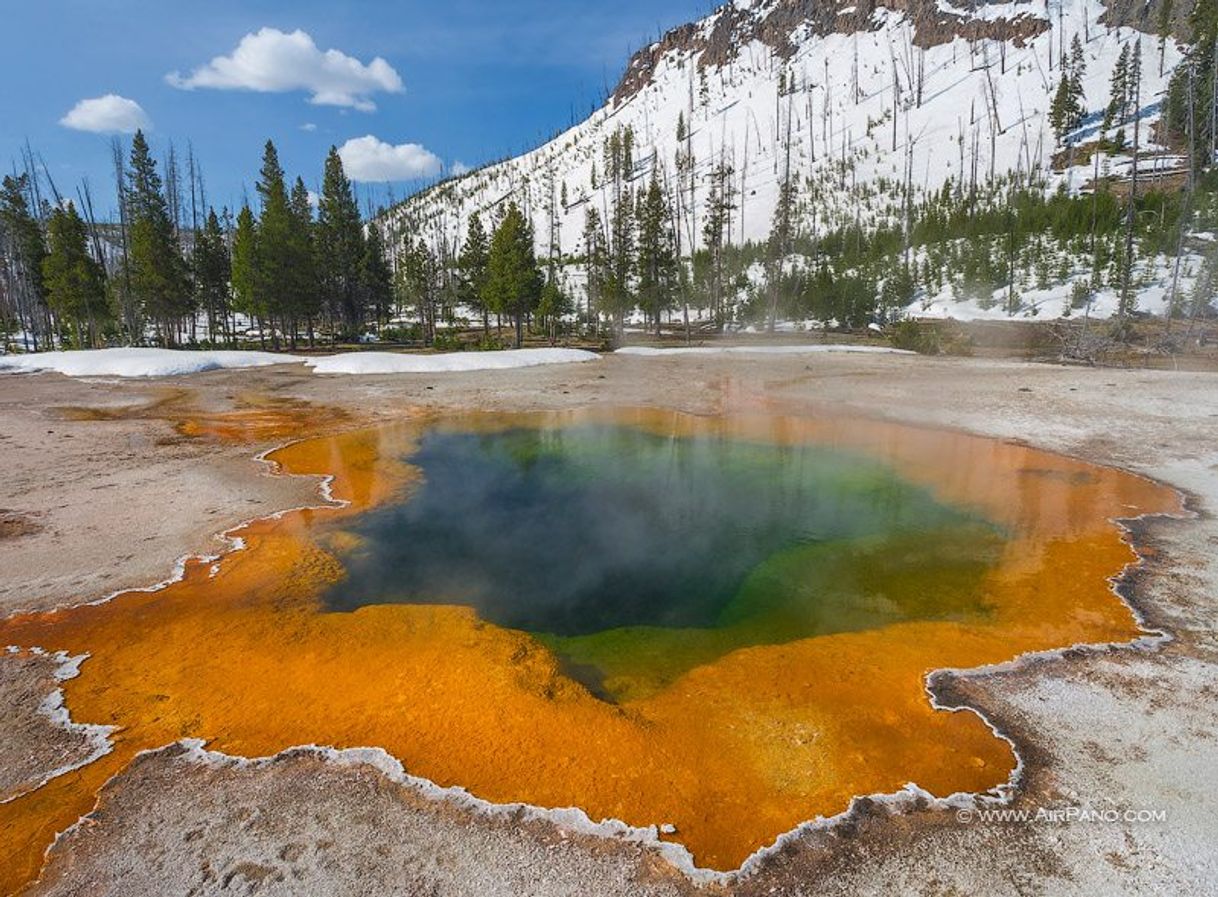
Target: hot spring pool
{"type": "Point", "coordinates": [636, 556]}
{"type": "Point", "coordinates": [722, 624]}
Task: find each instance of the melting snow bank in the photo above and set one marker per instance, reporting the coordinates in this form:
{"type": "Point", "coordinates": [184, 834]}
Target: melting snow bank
{"type": "Point", "coordinates": [138, 362]}
{"type": "Point", "coordinates": [760, 350]}
{"type": "Point", "coordinates": [391, 363]}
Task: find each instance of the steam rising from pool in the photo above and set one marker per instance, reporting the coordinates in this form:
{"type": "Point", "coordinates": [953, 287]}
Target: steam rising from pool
{"type": "Point", "coordinates": [637, 555]}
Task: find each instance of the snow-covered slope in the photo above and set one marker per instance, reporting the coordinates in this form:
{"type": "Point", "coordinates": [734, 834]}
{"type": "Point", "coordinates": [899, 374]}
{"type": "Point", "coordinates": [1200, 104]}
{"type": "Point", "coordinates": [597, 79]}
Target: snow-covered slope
{"type": "Point", "coordinates": [878, 91]}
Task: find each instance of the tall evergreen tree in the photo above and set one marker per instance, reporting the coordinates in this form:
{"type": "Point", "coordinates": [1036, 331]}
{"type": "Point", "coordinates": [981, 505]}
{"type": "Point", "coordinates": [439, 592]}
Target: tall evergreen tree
{"type": "Point", "coordinates": [473, 269]}
{"type": "Point", "coordinates": [657, 263]}
{"type": "Point", "coordinates": [416, 284]}
{"type": "Point", "coordinates": [595, 265]}
{"type": "Point", "coordinates": [1127, 293]}
{"type": "Point", "coordinates": [1118, 98]}
{"type": "Point", "coordinates": [157, 275]}
{"type": "Point", "coordinates": [340, 244]}
{"type": "Point", "coordinates": [74, 281]}
{"type": "Point", "coordinates": [376, 278]}
{"type": "Point", "coordinates": [1078, 70]}
{"type": "Point", "coordinates": [1163, 29]}
{"type": "Point", "coordinates": [1061, 114]}
{"type": "Point", "coordinates": [781, 239]}
{"type": "Point", "coordinates": [514, 281]}
{"type": "Point", "coordinates": [553, 304]}
{"type": "Point", "coordinates": [278, 248]}
{"type": "Point", "coordinates": [24, 249]}
{"type": "Point", "coordinates": [247, 293]}
{"type": "Point", "coordinates": [715, 235]}
{"type": "Point", "coordinates": [305, 301]}
{"type": "Point", "coordinates": [1195, 76]}
{"type": "Point", "coordinates": [617, 298]}
{"type": "Point", "coordinates": [212, 270]}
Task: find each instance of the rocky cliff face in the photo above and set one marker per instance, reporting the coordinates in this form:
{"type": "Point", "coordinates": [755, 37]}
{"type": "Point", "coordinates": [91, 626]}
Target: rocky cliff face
{"type": "Point", "coordinates": [1144, 15]}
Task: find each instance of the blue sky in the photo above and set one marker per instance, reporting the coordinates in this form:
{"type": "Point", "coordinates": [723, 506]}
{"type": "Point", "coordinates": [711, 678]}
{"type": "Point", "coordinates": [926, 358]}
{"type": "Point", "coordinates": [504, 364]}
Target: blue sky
{"type": "Point", "coordinates": [459, 81]}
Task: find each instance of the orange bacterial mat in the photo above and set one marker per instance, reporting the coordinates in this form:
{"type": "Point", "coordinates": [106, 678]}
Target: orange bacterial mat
{"type": "Point", "coordinates": [733, 753]}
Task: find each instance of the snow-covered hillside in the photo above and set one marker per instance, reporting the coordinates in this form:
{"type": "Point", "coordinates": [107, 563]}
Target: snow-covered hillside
{"type": "Point", "coordinates": [855, 99]}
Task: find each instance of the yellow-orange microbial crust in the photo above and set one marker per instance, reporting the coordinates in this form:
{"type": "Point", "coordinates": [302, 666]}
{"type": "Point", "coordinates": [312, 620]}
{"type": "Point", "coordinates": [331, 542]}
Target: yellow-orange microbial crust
{"type": "Point", "coordinates": [733, 754]}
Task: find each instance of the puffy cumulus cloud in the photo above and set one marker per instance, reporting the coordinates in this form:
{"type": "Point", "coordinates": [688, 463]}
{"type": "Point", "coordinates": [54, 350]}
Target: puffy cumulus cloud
{"type": "Point", "coordinates": [459, 168]}
{"type": "Point", "coordinates": [370, 159]}
{"type": "Point", "coordinates": [274, 61]}
{"type": "Point", "coordinates": [110, 114]}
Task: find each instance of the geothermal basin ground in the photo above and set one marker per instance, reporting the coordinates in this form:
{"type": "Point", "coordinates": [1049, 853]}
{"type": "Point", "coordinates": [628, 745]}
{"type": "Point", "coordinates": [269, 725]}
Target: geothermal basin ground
{"type": "Point", "coordinates": [109, 483]}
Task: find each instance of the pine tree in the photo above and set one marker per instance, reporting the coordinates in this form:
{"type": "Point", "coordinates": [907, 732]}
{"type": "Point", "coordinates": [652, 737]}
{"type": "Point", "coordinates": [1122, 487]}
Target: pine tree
{"type": "Point", "coordinates": [22, 243]}
{"type": "Point", "coordinates": [1195, 76]}
{"type": "Point", "coordinates": [1078, 70]}
{"type": "Point", "coordinates": [715, 235]}
{"type": "Point", "coordinates": [514, 281]}
{"type": "Point", "coordinates": [779, 245]}
{"type": "Point", "coordinates": [1163, 28]}
{"type": "Point", "coordinates": [473, 269]}
{"type": "Point", "coordinates": [594, 264]}
{"type": "Point", "coordinates": [1127, 295]}
{"type": "Point", "coordinates": [415, 285]}
{"type": "Point", "coordinates": [1059, 110]}
{"type": "Point", "coordinates": [157, 273]}
{"type": "Point", "coordinates": [376, 278]}
{"type": "Point", "coordinates": [305, 299]}
{"type": "Point", "coordinates": [247, 295]}
{"type": "Point", "coordinates": [212, 270]}
{"type": "Point", "coordinates": [340, 244]}
{"type": "Point", "coordinates": [74, 281]}
{"type": "Point", "coordinates": [553, 305]}
{"type": "Point", "coordinates": [1118, 102]}
{"type": "Point", "coordinates": [616, 298]}
{"type": "Point", "coordinates": [275, 276]}
{"type": "Point", "coordinates": [657, 264]}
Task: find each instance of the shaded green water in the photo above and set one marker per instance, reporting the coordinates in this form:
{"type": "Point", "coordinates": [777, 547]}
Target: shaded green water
{"type": "Point", "coordinates": [637, 557]}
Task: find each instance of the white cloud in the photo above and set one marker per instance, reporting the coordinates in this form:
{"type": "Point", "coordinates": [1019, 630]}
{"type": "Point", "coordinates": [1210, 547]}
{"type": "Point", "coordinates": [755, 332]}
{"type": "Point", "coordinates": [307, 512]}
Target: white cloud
{"type": "Point", "coordinates": [110, 114]}
{"type": "Point", "coordinates": [309, 127]}
{"type": "Point", "coordinates": [459, 168]}
{"type": "Point", "coordinates": [274, 61]}
{"type": "Point", "coordinates": [372, 160]}
{"type": "Point", "coordinates": [314, 199]}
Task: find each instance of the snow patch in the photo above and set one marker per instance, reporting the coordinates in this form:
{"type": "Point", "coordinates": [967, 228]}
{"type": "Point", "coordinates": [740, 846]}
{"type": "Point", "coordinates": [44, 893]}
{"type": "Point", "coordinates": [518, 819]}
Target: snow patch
{"type": "Point", "coordinates": [391, 363]}
{"type": "Point", "coordinates": [138, 362]}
